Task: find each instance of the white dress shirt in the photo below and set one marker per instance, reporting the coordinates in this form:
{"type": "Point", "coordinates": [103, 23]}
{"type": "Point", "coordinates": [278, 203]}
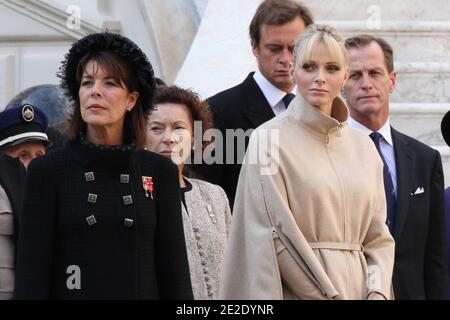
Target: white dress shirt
{"type": "Point", "coordinates": [386, 146]}
{"type": "Point", "coordinates": [273, 95]}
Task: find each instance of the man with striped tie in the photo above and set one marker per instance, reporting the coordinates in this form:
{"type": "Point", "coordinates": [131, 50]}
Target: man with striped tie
{"type": "Point", "coordinates": [263, 94]}
{"type": "Point", "coordinates": [413, 175]}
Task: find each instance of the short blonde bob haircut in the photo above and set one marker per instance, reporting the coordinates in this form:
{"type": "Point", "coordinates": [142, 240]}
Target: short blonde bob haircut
{"type": "Point", "coordinates": [314, 34]}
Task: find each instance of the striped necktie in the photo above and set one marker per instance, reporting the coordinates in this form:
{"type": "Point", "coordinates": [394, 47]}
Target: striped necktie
{"type": "Point", "coordinates": [388, 184]}
{"type": "Point", "coordinates": [287, 99]}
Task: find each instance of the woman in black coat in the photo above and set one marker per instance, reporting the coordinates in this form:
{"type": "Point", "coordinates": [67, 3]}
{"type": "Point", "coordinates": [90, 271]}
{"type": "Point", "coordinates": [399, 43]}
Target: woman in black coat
{"type": "Point", "coordinates": [102, 217]}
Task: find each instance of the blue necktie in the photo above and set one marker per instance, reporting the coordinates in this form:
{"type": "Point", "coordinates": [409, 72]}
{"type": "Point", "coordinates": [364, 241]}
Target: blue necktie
{"type": "Point", "coordinates": [388, 185]}
{"type": "Point", "coordinates": [287, 99]}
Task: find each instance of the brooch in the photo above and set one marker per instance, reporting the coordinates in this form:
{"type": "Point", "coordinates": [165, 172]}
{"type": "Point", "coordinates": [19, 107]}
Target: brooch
{"type": "Point", "coordinates": [147, 184]}
{"type": "Point", "coordinates": [211, 214]}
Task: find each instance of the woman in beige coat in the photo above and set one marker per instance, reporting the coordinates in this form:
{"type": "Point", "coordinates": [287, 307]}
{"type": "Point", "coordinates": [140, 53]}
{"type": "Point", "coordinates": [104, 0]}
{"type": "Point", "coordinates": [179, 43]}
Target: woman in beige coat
{"type": "Point", "coordinates": [310, 212]}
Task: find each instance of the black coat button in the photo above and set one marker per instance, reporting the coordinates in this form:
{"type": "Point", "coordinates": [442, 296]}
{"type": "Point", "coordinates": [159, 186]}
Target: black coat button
{"type": "Point", "coordinates": [91, 220]}
{"type": "Point", "coordinates": [92, 198]}
{"type": "Point", "coordinates": [127, 200]}
{"type": "Point", "coordinates": [128, 222]}
{"type": "Point", "coordinates": [124, 178]}
{"type": "Point", "coordinates": [89, 176]}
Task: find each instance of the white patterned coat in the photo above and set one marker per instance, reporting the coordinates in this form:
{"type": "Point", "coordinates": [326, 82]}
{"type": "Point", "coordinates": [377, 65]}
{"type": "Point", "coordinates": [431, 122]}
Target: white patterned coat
{"type": "Point", "coordinates": [206, 222]}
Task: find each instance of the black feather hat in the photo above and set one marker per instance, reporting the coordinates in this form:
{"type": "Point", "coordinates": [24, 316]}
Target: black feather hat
{"type": "Point", "coordinates": [445, 128]}
{"type": "Point", "coordinates": [120, 45]}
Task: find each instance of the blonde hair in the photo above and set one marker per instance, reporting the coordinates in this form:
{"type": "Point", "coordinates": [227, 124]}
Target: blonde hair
{"type": "Point", "coordinates": [314, 34]}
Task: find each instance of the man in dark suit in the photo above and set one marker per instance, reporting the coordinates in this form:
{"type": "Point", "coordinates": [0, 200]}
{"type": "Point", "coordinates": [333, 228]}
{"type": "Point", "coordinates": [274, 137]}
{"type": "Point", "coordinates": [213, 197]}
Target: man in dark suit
{"type": "Point", "coordinates": [263, 94]}
{"type": "Point", "coordinates": [413, 175]}
{"type": "Point", "coordinates": [23, 132]}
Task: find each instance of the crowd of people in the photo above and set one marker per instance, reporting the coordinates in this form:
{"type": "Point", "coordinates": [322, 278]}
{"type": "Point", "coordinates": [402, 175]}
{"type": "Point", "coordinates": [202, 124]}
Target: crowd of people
{"type": "Point", "coordinates": [329, 201]}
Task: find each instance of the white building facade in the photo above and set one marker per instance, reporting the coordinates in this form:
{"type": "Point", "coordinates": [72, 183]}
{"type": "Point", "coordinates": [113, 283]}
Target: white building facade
{"type": "Point", "coordinates": [204, 45]}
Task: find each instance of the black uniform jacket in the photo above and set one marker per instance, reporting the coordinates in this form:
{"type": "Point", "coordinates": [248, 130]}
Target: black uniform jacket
{"type": "Point", "coordinates": [420, 268]}
{"type": "Point", "coordinates": [91, 230]}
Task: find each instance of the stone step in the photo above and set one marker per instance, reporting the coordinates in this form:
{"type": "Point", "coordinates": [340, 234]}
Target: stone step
{"type": "Point", "coordinates": [420, 120]}
{"type": "Point", "coordinates": [422, 82]}
{"type": "Point", "coordinates": [423, 122]}
{"type": "Point", "coordinates": [384, 9]}
{"type": "Point", "coordinates": [411, 40]}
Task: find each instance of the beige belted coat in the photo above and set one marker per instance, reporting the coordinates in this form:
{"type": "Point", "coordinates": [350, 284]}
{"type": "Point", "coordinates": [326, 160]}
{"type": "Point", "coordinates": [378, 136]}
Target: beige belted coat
{"type": "Point", "coordinates": [310, 212]}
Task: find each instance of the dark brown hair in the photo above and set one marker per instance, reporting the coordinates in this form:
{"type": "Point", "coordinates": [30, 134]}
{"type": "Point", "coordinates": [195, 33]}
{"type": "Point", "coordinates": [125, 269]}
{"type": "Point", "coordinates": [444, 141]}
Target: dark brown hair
{"type": "Point", "coordinates": [199, 109]}
{"type": "Point", "coordinates": [364, 40]}
{"type": "Point", "coordinates": [277, 12]}
{"type": "Point", "coordinates": [117, 68]}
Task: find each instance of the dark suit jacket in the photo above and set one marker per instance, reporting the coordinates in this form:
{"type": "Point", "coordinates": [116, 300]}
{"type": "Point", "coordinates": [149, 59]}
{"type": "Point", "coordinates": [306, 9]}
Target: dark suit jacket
{"type": "Point", "coordinates": [447, 223]}
{"type": "Point", "coordinates": [12, 179]}
{"type": "Point", "coordinates": [420, 269]}
{"type": "Point", "coordinates": [241, 107]}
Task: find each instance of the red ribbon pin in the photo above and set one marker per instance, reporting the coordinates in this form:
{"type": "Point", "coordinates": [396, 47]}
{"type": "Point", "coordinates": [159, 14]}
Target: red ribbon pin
{"type": "Point", "coordinates": [147, 184]}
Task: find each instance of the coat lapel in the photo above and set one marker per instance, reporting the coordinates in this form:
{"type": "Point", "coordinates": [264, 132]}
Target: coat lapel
{"type": "Point", "coordinates": [405, 161]}
{"type": "Point", "coordinates": [258, 109]}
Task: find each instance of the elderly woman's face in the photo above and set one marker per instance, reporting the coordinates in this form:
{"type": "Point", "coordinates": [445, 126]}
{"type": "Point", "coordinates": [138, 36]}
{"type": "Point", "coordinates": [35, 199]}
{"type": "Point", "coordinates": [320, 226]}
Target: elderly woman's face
{"type": "Point", "coordinates": [26, 152]}
{"type": "Point", "coordinates": [103, 99]}
{"type": "Point", "coordinates": [170, 132]}
{"type": "Point", "coordinates": [320, 79]}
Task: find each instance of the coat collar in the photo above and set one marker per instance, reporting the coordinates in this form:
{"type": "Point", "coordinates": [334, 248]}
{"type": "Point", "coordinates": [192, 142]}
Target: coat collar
{"type": "Point", "coordinates": [385, 130]}
{"type": "Point", "coordinates": [311, 117]}
{"type": "Point", "coordinates": [272, 94]}
{"type": "Point", "coordinates": [101, 157]}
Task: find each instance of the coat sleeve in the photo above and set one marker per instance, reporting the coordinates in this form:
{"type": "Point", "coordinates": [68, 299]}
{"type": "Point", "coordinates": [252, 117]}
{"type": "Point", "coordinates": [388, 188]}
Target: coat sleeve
{"type": "Point", "coordinates": [250, 264]}
{"type": "Point", "coordinates": [172, 266]}
{"type": "Point", "coordinates": [35, 249]}
{"type": "Point", "coordinates": [379, 248]}
{"type": "Point", "coordinates": [435, 266]}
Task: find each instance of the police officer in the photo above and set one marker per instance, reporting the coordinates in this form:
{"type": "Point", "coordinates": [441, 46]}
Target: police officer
{"type": "Point", "coordinates": [23, 133]}
{"type": "Point", "coordinates": [22, 138]}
